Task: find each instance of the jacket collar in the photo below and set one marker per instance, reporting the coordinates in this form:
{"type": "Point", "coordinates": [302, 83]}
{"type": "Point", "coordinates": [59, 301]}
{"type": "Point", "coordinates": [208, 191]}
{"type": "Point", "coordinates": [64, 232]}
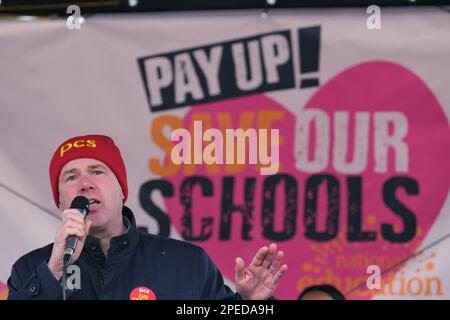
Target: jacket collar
{"type": "Point", "coordinates": [120, 245]}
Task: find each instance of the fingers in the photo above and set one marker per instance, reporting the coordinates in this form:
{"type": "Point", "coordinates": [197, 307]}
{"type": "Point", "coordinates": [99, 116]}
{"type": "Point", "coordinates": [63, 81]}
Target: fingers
{"type": "Point", "coordinates": [259, 256]}
{"type": "Point", "coordinates": [271, 259]}
{"type": "Point", "coordinates": [268, 259]}
{"type": "Point", "coordinates": [73, 214]}
{"type": "Point", "coordinates": [279, 274]}
{"type": "Point", "coordinates": [73, 228]}
{"type": "Point", "coordinates": [265, 256]}
{"type": "Point", "coordinates": [73, 232]}
{"type": "Point", "coordinates": [276, 263]}
{"type": "Point", "coordinates": [73, 224]}
{"type": "Point", "coordinates": [239, 269]}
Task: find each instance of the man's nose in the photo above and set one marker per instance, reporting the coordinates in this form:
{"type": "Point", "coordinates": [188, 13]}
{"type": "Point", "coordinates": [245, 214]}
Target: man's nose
{"type": "Point", "coordinates": [86, 183]}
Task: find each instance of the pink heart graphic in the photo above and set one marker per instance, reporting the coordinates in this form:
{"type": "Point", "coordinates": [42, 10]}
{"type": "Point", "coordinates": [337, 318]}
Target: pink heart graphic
{"type": "Point", "coordinates": [375, 88]}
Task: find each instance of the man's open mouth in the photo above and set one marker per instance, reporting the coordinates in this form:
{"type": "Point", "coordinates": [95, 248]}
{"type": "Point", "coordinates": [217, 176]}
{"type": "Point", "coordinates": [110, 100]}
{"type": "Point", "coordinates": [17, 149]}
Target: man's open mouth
{"type": "Point", "coordinates": [93, 204]}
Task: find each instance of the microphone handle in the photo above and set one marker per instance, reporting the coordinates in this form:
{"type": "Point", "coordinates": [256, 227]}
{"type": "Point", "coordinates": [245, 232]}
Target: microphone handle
{"type": "Point", "coordinates": [71, 244]}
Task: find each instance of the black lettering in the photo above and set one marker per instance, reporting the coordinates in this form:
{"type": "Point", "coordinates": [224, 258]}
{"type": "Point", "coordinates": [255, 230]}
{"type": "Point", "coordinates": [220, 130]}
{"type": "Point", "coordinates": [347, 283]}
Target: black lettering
{"type": "Point", "coordinates": [151, 209]}
{"type": "Point", "coordinates": [408, 217]}
{"type": "Point", "coordinates": [186, 200]}
{"type": "Point", "coordinates": [290, 216]}
{"type": "Point", "coordinates": [310, 218]}
{"type": "Point", "coordinates": [355, 232]}
{"type": "Point", "coordinates": [228, 207]}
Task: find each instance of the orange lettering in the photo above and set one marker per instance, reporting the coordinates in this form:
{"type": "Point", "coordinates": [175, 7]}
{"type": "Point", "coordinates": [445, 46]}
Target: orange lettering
{"type": "Point", "coordinates": [65, 148]}
{"type": "Point", "coordinates": [78, 144]}
{"type": "Point", "coordinates": [91, 143]}
{"type": "Point", "coordinates": [156, 133]}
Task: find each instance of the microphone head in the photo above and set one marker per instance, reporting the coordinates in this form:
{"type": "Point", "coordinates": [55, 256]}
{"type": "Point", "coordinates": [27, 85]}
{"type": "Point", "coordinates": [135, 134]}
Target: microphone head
{"type": "Point", "coordinates": [81, 203]}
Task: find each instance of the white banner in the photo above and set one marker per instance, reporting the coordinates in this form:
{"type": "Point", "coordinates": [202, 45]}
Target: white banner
{"type": "Point", "coordinates": [137, 77]}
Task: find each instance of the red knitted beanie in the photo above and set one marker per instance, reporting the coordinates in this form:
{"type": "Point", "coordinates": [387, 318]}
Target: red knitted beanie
{"type": "Point", "coordinates": [97, 147]}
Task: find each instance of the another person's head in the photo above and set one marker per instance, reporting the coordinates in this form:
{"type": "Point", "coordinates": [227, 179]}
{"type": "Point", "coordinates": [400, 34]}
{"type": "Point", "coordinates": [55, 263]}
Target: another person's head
{"type": "Point", "coordinates": [91, 166]}
{"type": "Point", "coordinates": [321, 292]}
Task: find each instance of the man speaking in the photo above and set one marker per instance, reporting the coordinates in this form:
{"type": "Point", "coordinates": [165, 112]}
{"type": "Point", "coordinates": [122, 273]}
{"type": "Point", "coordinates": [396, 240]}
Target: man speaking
{"type": "Point", "coordinates": [115, 260]}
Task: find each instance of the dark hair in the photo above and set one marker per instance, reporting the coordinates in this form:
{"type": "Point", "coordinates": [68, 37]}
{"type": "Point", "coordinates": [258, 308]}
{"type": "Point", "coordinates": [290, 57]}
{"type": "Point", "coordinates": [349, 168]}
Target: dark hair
{"type": "Point", "coordinates": [328, 289]}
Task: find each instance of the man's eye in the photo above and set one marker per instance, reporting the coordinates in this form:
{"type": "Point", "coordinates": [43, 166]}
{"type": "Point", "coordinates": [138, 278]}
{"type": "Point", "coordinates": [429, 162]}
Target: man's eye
{"type": "Point", "coordinates": [97, 172]}
{"type": "Point", "coordinates": [70, 178]}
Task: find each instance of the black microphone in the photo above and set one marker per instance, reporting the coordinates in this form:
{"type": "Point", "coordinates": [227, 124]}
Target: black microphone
{"type": "Point", "coordinates": [82, 204]}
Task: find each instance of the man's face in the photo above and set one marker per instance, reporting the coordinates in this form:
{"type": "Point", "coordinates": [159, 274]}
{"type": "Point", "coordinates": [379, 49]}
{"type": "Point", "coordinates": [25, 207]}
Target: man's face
{"type": "Point", "coordinates": [94, 180]}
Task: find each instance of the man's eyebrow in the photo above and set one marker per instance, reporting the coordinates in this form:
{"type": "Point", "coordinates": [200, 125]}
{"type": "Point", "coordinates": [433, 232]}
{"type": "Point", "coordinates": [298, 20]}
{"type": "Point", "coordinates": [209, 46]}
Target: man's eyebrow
{"type": "Point", "coordinates": [69, 171]}
{"type": "Point", "coordinates": [97, 166]}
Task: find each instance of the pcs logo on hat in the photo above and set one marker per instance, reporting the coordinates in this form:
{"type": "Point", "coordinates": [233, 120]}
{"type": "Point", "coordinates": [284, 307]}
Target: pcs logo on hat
{"type": "Point", "coordinates": [77, 144]}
